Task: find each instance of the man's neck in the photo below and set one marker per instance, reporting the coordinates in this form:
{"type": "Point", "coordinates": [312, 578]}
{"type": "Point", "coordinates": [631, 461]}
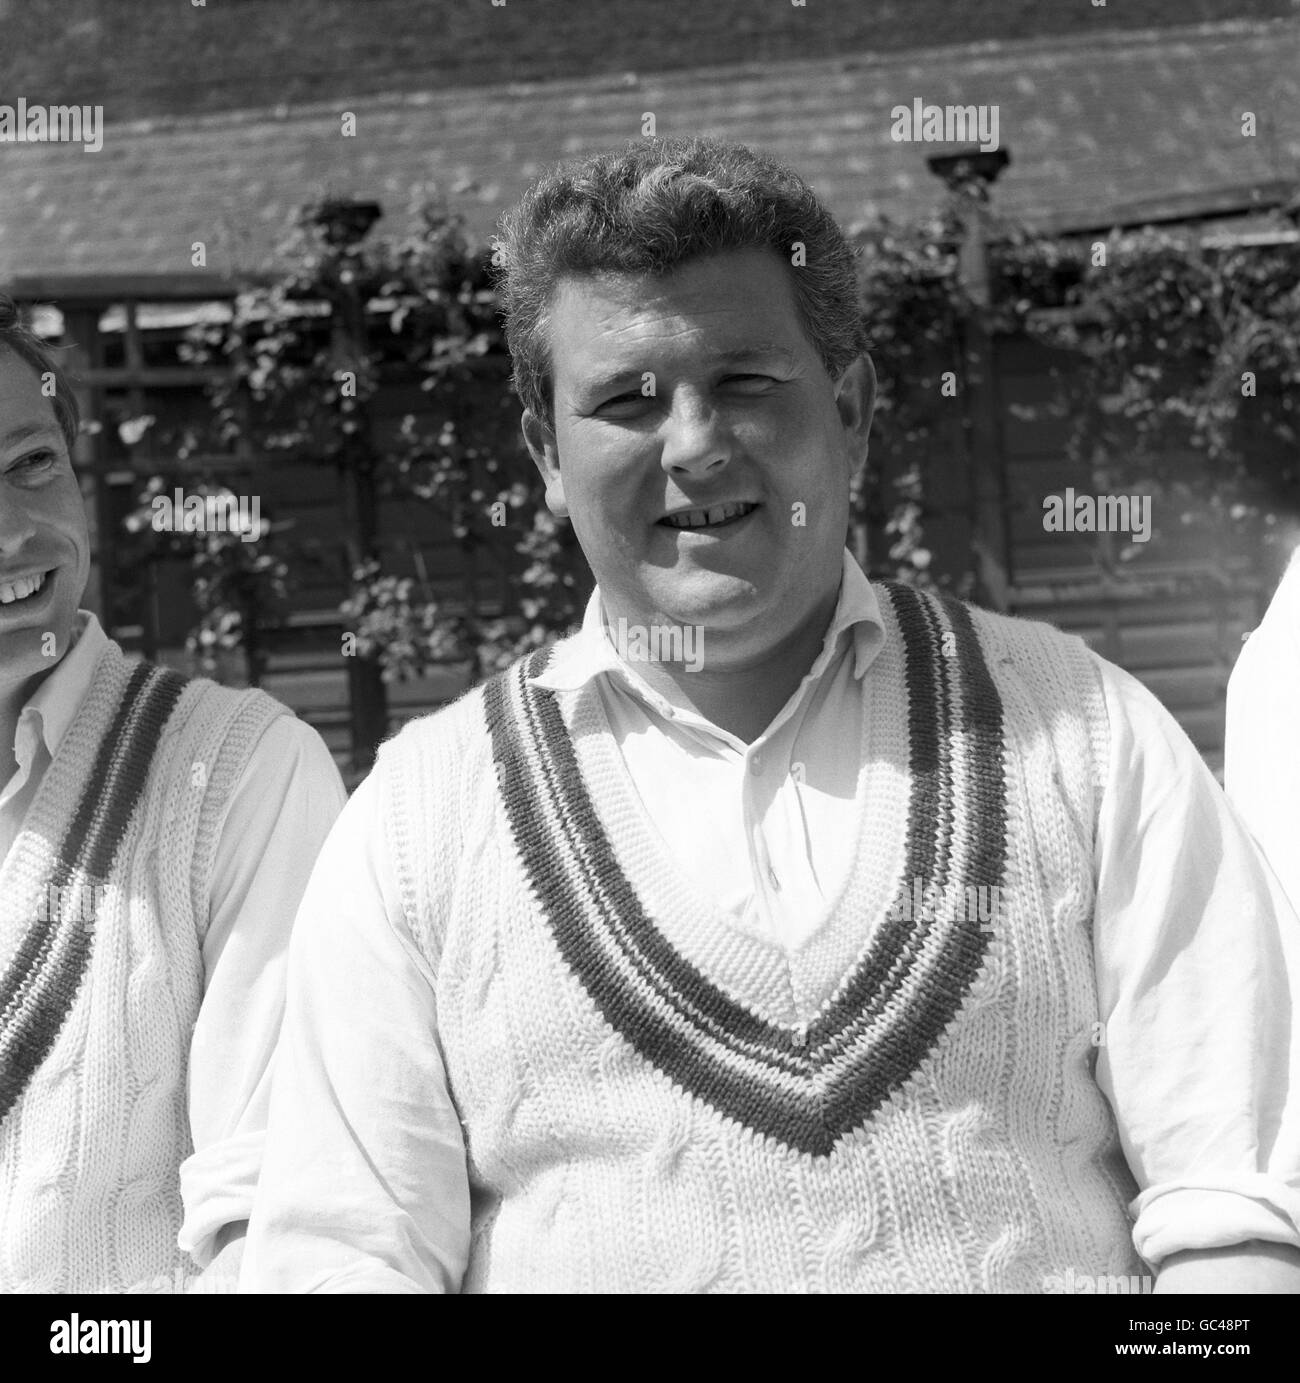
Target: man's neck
{"type": "Point", "coordinates": [744, 698]}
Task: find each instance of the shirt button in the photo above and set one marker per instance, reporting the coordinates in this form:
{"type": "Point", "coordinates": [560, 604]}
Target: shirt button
{"type": "Point", "coordinates": [756, 764]}
{"type": "Point", "coordinates": [799, 1037]}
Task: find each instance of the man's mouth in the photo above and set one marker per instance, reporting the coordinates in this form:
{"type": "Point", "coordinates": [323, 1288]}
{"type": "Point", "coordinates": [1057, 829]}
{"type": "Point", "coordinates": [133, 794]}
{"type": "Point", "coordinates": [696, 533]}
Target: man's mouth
{"type": "Point", "coordinates": [22, 588]}
{"type": "Point", "coordinates": [711, 517]}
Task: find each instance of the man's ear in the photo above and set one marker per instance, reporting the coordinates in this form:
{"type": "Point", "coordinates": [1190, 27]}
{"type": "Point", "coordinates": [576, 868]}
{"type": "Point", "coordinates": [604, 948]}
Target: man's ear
{"type": "Point", "coordinates": [539, 438]}
{"type": "Point", "coordinates": [855, 399]}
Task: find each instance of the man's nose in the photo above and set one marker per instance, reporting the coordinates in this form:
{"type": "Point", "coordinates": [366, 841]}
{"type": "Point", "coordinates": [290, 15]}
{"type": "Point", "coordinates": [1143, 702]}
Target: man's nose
{"type": "Point", "coordinates": [696, 439]}
{"type": "Point", "coordinates": [17, 527]}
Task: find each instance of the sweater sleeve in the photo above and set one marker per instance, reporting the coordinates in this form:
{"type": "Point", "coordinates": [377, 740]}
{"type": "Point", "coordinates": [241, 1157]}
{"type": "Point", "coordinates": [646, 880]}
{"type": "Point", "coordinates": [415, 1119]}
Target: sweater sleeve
{"type": "Point", "coordinates": [1198, 969]}
{"type": "Point", "coordinates": [364, 1187]}
{"type": "Point", "coordinates": [275, 822]}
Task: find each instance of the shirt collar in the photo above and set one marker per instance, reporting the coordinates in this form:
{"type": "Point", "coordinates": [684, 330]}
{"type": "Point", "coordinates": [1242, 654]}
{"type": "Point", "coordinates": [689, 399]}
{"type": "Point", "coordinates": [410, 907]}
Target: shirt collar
{"type": "Point", "coordinates": [53, 706]}
{"type": "Point", "coordinates": [589, 653]}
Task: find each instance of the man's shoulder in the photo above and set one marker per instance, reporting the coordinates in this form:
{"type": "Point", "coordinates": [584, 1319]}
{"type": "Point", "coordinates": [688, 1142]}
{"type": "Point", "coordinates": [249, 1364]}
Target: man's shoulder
{"type": "Point", "coordinates": [458, 724]}
{"type": "Point", "coordinates": [119, 665]}
{"type": "Point", "coordinates": [193, 708]}
{"type": "Point", "coordinates": [1050, 686]}
{"type": "Point", "coordinates": [439, 765]}
{"type": "Point", "coordinates": [200, 700]}
{"type": "Point", "coordinates": [1057, 667]}
{"type": "Point", "coordinates": [1003, 636]}
{"type": "Point", "coordinates": [1025, 636]}
{"type": "Point", "coordinates": [466, 719]}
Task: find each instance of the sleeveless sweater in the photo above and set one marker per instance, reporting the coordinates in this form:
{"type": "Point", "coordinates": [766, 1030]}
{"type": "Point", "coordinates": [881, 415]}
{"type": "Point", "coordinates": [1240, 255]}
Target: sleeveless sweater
{"type": "Point", "coordinates": [104, 901]}
{"type": "Point", "coordinates": [656, 1099]}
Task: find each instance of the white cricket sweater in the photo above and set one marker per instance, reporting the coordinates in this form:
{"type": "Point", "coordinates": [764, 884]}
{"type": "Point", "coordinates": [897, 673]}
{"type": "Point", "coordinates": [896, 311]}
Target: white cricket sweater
{"type": "Point", "coordinates": [103, 905]}
{"type": "Point", "coordinates": [655, 1098]}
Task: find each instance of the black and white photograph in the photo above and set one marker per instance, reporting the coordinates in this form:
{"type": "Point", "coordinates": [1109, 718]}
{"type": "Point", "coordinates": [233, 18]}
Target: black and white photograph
{"type": "Point", "coordinates": [649, 647]}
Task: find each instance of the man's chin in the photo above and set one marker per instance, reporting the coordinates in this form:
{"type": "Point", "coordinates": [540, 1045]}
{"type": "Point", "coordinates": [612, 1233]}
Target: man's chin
{"type": "Point", "coordinates": [30, 651]}
{"type": "Point", "coordinates": [711, 600]}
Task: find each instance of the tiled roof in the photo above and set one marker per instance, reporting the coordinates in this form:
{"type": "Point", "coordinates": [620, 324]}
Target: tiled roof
{"type": "Point", "coordinates": [140, 59]}
{"type": "Point", "coordinates": [1120, 126]}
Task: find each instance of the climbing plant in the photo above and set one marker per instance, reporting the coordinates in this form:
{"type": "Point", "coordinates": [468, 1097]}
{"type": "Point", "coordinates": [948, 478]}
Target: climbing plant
{"type": "Point", "coordinates": [1179, 369]}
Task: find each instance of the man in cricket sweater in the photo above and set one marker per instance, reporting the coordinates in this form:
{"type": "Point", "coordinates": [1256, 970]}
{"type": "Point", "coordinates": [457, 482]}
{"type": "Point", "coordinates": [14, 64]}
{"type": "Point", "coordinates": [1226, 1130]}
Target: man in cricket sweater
{"type": "Point", "coordinates": [156, 834]}
{"type": "Point", "coordinates": [888, 945]}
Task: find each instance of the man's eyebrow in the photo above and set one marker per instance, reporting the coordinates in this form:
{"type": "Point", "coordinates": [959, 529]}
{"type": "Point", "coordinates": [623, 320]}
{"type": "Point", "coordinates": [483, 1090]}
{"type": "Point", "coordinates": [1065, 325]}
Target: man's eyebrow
{"type": "Point", "coordinates": [764, 350]}
{"type": "Point", "coordinates": [599, 383]}
{"type": "Point", "coordinates": [25, 431]}
{"type": "Point", "coordinates": [739, 355]}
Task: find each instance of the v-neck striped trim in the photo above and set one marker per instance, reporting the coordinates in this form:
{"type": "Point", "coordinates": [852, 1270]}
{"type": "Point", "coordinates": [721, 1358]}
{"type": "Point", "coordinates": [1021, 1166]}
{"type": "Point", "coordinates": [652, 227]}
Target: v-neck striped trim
{"type": "Point", "coordinates": [808, 1087]}
{"type": "Point", "coordinates": [41, 981]}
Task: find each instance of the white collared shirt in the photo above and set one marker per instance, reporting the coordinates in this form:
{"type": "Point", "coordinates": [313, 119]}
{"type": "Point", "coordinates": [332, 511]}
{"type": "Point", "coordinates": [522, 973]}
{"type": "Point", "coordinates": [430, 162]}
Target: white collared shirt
{"type": "Point", "coordinates": [276, 819]}
{"type": "Point", "coordinates": [765, 827]}
{"type": "Point", "coordinates": [1192, 938]}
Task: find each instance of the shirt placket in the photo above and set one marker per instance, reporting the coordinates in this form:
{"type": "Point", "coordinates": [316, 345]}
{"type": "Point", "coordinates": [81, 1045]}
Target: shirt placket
{"type": "Point", "coordinates": [761, 760]}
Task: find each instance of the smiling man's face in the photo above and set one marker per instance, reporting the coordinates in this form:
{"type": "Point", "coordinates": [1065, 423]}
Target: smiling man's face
{"type": "Point", "coordinates": [44, 535]}
{"type": "Point", "coordinates": [721, 499]}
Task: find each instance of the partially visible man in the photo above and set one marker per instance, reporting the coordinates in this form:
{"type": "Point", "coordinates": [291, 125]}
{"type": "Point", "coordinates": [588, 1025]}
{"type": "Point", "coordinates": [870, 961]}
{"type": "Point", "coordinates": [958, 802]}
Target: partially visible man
{"type": "Point", "coordinates": [155, 837]}
{"type": "Point", "coordinates": [777, 931]}
{"type": "Point", "coordinates": [1261, 770]}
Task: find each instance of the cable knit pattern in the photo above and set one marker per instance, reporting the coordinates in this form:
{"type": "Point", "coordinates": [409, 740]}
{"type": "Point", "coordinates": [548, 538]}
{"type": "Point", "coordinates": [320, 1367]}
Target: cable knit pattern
{"type": "Point", "coordinates": [97, 1003]}
{"type": "Point", "coordinates": [656, 1098]}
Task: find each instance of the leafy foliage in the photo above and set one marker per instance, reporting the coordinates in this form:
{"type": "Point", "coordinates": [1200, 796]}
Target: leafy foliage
{"type": "Point", "coordinates": [914, 304]}
{"type": "Point", "coordinates": [236, 578]}
{"type": "Point", "coordinates": [306, 356]}
{"type": "Point", "coordinates": [1159, 339]}
{"type": "Point", "coordinates": [1187, 365]}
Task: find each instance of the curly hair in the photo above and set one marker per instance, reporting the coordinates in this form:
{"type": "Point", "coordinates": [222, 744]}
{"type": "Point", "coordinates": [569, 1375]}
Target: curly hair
{"type": "Point", "coordinates": [647, 210]}
{"type": "Point", "coordinates": [29, 347]}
